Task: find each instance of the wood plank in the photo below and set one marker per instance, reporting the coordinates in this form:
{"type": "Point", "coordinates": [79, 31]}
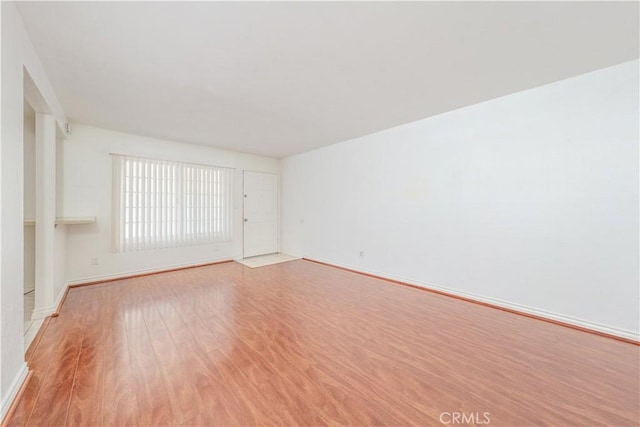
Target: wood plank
{"type": "Point", "coordinates": [85, 407]}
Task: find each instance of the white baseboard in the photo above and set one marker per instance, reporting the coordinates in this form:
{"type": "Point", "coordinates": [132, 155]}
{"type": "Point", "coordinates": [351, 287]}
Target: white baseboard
{"type": "Point", "coordinates": [41, 313]}
{"type": "Point", "coordinates": [623, 333]}
{"type": "Point", "coordinates": [31, 332]}
{"type": "Point", "coordinates": [61, 294]}
{"type": "Point", "coordinates": [12, 392]}
{"type": "Point", "coordinates": [124, 275]}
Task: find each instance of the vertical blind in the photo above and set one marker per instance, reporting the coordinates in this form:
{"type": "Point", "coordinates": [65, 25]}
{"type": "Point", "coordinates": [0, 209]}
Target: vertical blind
{"type": "Point", "coordinates": [161, 204]}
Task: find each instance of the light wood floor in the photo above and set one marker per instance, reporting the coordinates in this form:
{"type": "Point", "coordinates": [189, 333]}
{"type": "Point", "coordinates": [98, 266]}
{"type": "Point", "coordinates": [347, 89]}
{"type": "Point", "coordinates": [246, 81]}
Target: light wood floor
{"type": "Point", "coordinates": [305, 344]}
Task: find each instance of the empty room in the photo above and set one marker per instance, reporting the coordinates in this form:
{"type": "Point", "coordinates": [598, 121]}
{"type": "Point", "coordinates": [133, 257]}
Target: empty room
{"type": "Point", "coordinates": [320, 213]}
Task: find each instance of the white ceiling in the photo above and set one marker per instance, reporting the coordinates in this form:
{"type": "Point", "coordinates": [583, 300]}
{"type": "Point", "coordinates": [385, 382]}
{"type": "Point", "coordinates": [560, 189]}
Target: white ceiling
{"type": "Point", "coordinates": [283, 78]}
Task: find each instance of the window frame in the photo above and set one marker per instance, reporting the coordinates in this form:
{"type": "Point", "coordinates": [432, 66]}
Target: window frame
{"type": "Point", "coordinates": [160, 204]}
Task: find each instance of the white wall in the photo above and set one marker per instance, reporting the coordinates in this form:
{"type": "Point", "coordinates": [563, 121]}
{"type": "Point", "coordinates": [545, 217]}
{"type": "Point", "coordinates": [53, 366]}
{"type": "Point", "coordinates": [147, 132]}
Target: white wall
{"type": "Point", "coordinates": [87, 192]}
{"type": "Point", "coordinates": [18, 55]}
{"type": "Point", "coordinates": [530, 200]}
{"type": "Point", "coordinates": [11, 244]}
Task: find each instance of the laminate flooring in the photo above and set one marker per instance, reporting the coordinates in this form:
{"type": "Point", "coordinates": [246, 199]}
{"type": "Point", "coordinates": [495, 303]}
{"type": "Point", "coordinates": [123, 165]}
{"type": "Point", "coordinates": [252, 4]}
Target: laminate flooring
{"type": "Point", "coordinates": [299, 343]}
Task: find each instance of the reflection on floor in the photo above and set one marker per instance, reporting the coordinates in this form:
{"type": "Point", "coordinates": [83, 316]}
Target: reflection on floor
{"type": "Point", "coordinates": [262, 260]}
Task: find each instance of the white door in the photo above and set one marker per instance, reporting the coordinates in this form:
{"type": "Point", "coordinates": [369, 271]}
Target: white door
{"type": "Point", "coordinates": [260, 210]}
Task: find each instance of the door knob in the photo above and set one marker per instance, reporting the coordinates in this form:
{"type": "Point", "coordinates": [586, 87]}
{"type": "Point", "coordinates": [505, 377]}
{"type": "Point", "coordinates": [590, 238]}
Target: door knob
{"type": "Point", "coordinates": [246, 220]}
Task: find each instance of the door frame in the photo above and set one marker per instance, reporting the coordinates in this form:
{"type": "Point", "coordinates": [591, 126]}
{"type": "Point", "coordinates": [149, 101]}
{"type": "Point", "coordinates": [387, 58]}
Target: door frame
{"type": "Point", "coordinates": [277, 207]}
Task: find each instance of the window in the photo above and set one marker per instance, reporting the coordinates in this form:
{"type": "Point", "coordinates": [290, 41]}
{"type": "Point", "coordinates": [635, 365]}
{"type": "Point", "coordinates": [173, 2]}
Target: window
{"type": "Point", "coordinates": [160, 204]}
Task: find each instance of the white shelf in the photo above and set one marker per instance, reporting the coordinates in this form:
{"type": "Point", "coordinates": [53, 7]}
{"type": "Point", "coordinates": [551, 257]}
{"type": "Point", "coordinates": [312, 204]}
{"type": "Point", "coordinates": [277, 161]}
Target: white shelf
{"type": "Point", "coordinates": [71, 220]}
{"type": "Point", "coordinates": [66, 220]}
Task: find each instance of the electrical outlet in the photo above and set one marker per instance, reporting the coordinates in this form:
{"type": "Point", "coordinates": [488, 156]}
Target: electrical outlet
{"type": "Point", "coordinates": [361, 254]}
{"type": "Point", "coordinates": [94, 261]}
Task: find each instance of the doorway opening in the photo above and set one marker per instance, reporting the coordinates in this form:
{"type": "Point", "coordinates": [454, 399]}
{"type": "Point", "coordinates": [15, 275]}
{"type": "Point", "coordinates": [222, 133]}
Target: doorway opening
{"type": "Point", "coordinates": [29, 204]}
